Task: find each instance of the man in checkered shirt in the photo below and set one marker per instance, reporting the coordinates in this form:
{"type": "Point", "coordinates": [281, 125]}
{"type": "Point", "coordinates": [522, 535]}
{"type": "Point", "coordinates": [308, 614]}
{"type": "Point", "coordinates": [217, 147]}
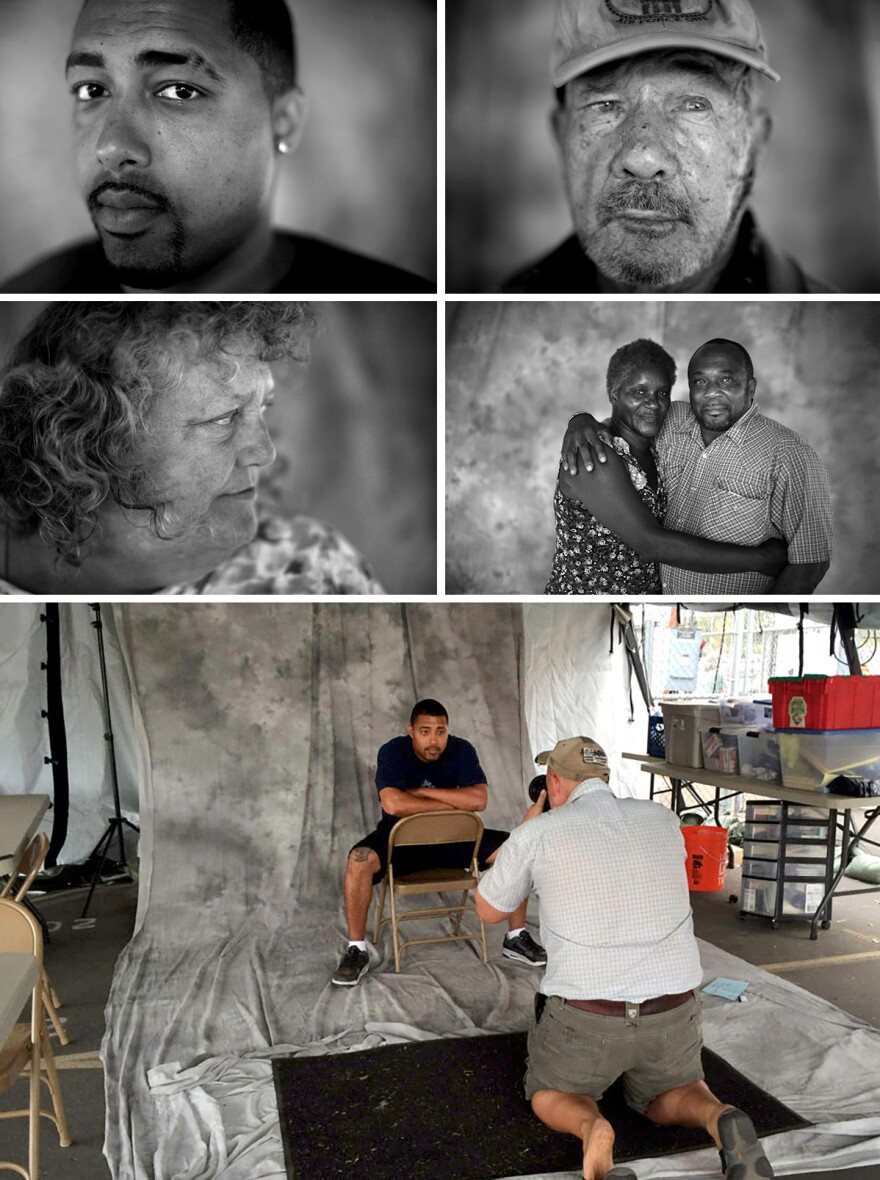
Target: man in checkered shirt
{"type": "Point", "coordinates": [732, 474]}
{"type": "Point", "coordinates": [618, 994]}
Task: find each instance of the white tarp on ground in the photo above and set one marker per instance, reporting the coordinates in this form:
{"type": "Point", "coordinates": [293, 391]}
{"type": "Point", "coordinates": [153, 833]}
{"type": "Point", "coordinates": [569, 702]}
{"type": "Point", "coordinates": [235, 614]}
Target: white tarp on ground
{"type": "Point", "coordinates": [824, 1064]}
{"type": "Point", "coordinates": [260, 725]}
{"type": "Point", "coordinates": [24, 734]}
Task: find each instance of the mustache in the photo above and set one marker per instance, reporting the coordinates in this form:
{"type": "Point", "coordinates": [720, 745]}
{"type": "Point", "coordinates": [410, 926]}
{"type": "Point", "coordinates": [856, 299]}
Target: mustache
{"type": "Point", "coordinates": [651, 196]}
{"type": "Point", "coordinates": [113, 186]}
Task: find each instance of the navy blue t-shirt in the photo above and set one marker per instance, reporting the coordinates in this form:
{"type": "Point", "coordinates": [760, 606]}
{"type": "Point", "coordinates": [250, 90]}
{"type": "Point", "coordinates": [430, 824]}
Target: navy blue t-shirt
{"type": "Point", "coordinates": [399, 766]}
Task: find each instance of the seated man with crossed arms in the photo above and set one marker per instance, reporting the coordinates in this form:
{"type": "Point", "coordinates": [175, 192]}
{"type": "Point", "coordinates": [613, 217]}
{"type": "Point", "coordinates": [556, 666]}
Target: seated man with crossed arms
{"type": "Point", "coordinates": [428, 770]}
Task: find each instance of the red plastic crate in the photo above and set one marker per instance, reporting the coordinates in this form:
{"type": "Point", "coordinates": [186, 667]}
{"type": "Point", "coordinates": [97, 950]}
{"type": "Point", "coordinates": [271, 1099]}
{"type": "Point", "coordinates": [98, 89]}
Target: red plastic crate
{"type": "Point", "coordinates": [825, 702]}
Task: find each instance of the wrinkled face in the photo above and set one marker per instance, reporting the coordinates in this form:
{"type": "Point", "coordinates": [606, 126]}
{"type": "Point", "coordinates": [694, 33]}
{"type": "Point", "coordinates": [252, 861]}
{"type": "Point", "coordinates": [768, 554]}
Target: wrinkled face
{"type": "Point", "coordinates": [174, 135]}
{"type": "Point", "coordinates": [641, 400]}
{"type": "Point", "coordinates": [658, 158]}
{"type": "Point", "coordinates": [720, 387]}
{"type": "Point", "coordinates": [205, 442]}
{"type": "Point", "coordinates": [429, 737]}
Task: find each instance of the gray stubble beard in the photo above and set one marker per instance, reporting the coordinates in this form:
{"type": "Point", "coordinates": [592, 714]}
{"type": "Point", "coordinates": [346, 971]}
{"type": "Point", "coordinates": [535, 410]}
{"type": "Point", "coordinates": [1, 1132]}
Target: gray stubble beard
{"type": "Point", "coordinates": [621, 266]}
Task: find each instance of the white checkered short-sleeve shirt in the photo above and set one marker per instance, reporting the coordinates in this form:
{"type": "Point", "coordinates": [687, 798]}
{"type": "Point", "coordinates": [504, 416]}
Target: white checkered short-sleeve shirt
{"type": "Point", "coordinates": [756, 481]}
{"type": "Point", "coordinates": [615, 910]}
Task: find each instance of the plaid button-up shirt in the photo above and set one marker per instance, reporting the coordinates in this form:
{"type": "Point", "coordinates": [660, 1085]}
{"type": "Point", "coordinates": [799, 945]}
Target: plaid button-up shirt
{"type": "Point", "coordinates": [615, 909]}
{"type": "Point", "coordinates": [756, 481]}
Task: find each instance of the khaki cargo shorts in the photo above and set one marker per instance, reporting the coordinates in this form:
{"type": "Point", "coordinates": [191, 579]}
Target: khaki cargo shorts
{"type": "Point", "coordinates": [583, 1053]}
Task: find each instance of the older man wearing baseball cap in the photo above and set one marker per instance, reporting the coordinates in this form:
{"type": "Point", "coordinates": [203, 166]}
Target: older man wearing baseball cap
{"type": "Point", "coordinates": [660, 130]}
{"type": "Point", "coordinates": [619, 994]}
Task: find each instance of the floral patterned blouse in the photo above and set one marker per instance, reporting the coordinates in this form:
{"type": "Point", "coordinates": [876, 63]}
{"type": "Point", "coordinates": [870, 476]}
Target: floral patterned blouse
{"type": "Point", "coordinates": [589, 558]}
{"type": "Point", "coordinates": [289, 555]}
{"type": "Point", "coordinates": [293, 555]}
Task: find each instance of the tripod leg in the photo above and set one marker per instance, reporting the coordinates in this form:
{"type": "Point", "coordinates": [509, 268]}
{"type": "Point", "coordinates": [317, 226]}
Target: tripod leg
{"type": "Point", "coordinates": [102, 847]}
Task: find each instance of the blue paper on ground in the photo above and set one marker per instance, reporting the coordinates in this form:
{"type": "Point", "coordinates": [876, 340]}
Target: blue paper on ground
{"type": "Point", "coordinates": [728, 989]}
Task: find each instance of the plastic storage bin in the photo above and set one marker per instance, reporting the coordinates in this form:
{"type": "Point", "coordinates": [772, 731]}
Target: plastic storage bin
{"type": "Point", "coordinates": [807, 850]}
{"type": "Point", "coordinates": [768, 812]}
{"type": "Point", "coordinates": [799, 831]}
{"type": "Point", "coordinates": [811, 760]}
{"type": "Point", "coordinates": [744, 711]}
{"type": "Point", "coordinates": [802, 898]}
{"type": "Point", "coordinates": [760, 868]}
{"type": "Point", "coordinates": [758, 897]}
{"type": "Point", "coordinates": [755, 849]}
{"type": "Point", "coordinates": [682, 722]}
{"type": "Point", "coordinates": [759, 756]}
{"type": "Point", "coordinates": [826, 702]}
{"type": "Point", "coordinates": [812, 872]}
{"type": "Point", "coordinates": [753, 831]}
{"type": "Point", "coordinates": [721, 748]}
{"type": "Point", "coordinates": [799, 811]}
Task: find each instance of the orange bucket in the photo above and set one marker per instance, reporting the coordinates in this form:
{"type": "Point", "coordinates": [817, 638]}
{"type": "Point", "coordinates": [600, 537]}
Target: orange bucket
{"type": "Point", "coordinates": [706, 857]}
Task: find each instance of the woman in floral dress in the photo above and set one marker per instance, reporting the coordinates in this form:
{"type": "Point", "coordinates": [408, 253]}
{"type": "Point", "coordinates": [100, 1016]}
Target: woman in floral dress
{"type": "Point", "coordinates": [609, 522]}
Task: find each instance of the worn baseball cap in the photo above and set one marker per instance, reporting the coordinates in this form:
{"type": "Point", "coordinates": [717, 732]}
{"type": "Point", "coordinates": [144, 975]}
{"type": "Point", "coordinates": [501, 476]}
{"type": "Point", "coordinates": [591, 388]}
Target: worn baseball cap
{"type": "Point", "coordinates": [575, 758]}
{"type": "Point", "coordinates": [593, 33]}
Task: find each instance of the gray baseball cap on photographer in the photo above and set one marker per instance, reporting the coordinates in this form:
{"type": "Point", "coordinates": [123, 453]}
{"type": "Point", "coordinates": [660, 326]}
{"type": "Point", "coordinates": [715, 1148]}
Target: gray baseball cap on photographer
{"type": "Point", "coordinates": [594, 33]}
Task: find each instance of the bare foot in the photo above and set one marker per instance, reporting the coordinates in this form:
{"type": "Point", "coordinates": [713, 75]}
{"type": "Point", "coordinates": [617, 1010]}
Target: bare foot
{"type": "Point", "coordinates": [598, 1138]}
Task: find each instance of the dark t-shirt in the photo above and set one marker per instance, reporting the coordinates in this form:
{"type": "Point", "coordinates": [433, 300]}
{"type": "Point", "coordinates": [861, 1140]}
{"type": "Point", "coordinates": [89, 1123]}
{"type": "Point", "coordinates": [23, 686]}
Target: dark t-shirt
{"type": "Point", "coordinates": [399, 766]}
{"type": "Point", "coordinates": [313, 266]}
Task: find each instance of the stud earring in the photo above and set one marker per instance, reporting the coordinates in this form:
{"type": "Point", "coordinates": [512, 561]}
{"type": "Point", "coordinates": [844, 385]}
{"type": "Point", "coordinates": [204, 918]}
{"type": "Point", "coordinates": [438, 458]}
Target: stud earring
{"type": "Point", "coordinates": [283, 147]}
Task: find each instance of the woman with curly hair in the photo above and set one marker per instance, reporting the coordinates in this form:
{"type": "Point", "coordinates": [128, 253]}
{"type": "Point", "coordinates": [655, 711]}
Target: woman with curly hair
{"type": "Point", "coordinates": [609, 523]}
{"type": "Point", "coordinates": [131, 442]}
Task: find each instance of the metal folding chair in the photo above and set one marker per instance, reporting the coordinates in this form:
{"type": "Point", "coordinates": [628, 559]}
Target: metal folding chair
{"type": "Point", "coordinates": [26, 1045]}
{"type": "Point", "coordinates": [431, 830]}
{"type": "Point", "coordinates": [29, 864]}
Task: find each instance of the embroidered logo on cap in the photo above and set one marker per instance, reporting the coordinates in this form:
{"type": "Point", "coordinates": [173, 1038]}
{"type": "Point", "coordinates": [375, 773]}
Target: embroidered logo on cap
{"type": "Point", "coordinates": [590, 756]}
{"type": "Point", "coordinates": [633, 11]}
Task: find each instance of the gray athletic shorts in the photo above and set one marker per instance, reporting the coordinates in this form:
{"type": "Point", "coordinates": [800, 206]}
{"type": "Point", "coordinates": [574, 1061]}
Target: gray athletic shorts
{"type": "Point", "coordinates": [583, 1053]}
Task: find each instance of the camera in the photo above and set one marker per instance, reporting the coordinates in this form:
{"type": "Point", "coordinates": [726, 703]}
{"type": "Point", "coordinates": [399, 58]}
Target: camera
{"type": "Point", "coordinates": [536, 786]}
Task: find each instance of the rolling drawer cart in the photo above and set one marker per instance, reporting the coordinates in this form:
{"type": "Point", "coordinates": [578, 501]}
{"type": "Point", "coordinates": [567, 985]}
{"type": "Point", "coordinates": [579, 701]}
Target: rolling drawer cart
{"type": "Point", "coordinates": [788, 862]}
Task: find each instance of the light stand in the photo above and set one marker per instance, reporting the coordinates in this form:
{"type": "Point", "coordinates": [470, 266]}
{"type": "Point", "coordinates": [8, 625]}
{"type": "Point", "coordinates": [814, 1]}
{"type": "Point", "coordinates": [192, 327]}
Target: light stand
{"type": "Point", "coordinates": [117, 822]}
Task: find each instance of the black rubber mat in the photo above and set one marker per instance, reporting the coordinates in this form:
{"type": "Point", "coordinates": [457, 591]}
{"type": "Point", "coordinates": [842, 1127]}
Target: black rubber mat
{"type": "Point", "coordinates": [455, 1108]}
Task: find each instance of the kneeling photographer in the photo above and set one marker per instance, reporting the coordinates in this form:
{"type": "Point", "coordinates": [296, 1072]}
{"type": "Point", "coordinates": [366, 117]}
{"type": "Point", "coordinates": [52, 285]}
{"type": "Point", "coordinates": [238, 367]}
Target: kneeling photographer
{"type": "Point", "coordinates": [622, 964]}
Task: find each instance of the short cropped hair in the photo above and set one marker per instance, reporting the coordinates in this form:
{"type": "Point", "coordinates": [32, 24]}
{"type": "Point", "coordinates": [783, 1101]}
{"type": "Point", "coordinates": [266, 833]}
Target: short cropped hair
{"type": "Point", "coordinates": [264, 30]}
{"type": "Point", "coordinates": [747, 360]}
{"type": "Point", "coordinates": [635, 356]}
{"type": "Point", "coordinates": [427, 708]}
{"type": "Point", "coordinates": [76, 393]}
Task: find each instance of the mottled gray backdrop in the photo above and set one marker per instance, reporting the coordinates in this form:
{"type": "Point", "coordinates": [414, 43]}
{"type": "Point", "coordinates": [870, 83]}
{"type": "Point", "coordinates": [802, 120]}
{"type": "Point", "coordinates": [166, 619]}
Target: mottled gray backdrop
{"type": "Point", "coordinates": [260, 727]}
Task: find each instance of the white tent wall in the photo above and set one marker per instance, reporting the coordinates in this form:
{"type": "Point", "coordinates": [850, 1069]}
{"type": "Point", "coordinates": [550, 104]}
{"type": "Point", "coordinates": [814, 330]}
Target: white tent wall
{"type": "Point", "coordinates": [24, 735]}
{"type": "Point", "coordinates": [577, 680]}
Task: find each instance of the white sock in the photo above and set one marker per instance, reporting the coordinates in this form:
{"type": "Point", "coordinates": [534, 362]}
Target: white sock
{"type": "Point", "coordinates": [361, 946]}
{"type": "Point", "coordinates": [515, 933]}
